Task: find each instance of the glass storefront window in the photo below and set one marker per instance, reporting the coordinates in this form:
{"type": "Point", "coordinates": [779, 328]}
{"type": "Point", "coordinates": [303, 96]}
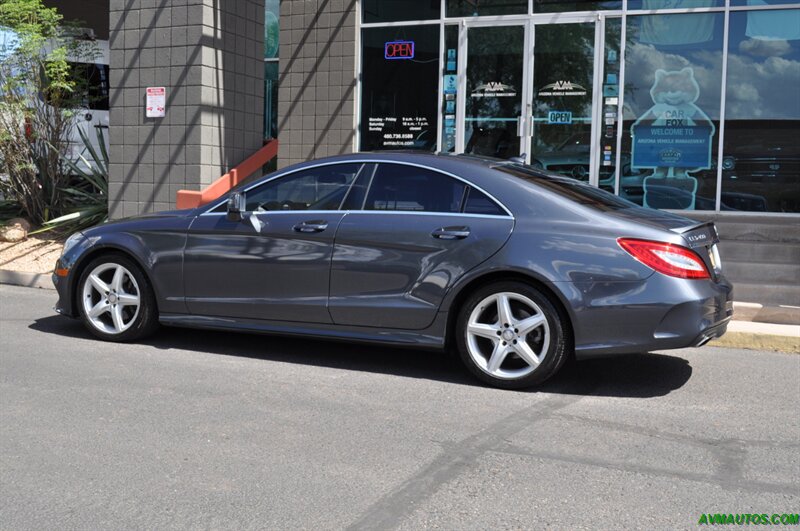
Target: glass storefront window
{"type": "Point", "coordinates": [272, 12]}
{"type": "Point", "coordinates": [399, 10]}
{"type": "Point", "coordinates": [761, 153]}
{"type": "Point", "coordinates": [607, 148]}
{"type": "Point", "coordinates": [671, 110]}
{"type": "Point", "coordinates": [673, 4]}
{"type": "Point", "coordinates": [399, 87]}
{"type": "Point", "coordinates": [563, 64]}
{"type": "Point", "coordinates": [761, 2]}
{"type": "Point", "coordinates": [493, 98]}
{"type": "Point", "coordinates": [559, 6]}
{"type": "Point", "coordinates": [474, 8]}
{"type": "Point", "coordinates": [270, 99]}
{"type": "Point", "coordinates": [449, 89]}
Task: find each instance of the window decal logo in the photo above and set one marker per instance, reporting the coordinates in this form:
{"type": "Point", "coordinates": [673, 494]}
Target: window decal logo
{"type": "Point", "coordinates": [493, 89]}
{"type": "Point", "coordinates": [563, 88]}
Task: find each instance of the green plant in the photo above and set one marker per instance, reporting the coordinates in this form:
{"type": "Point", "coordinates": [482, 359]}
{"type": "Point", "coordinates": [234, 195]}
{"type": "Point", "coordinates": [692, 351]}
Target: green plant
{"type": "Point", "coordinates": [86, 195]}
{"type": "Point", "coordinates": [37, 103]}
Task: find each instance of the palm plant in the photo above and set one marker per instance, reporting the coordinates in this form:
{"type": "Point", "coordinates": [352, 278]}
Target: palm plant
{"type": "Point", "coordinates": [86, 194]}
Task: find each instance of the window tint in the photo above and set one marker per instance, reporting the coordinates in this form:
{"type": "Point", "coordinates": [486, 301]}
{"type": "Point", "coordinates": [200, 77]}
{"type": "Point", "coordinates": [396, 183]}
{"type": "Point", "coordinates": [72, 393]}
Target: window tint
{"type": "Point", "coordinates": [358, 191]}
{"type": "Point", "coordinates": [321, 188]}
{"type": "Point", "coordinates": [571, 189]}
{"type": "Point", "coordinates": [479, 203]}
{"type": "Point", "coordinates": [408, 188]}
{"type": "Point", "coordinates": [396, 10]}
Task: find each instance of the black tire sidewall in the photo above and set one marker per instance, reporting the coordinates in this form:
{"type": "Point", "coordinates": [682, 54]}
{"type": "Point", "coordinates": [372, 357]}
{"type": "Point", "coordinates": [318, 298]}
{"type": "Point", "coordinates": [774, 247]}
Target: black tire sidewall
{"type": "Point", "coordinates": [147, 319]}
{"type": "Point", "coordinates": [557, 350]}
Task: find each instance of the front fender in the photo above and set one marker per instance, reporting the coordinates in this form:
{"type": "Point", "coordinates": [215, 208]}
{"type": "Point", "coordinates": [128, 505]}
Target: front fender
{"type": "Point", "coordinates": [158, 252]}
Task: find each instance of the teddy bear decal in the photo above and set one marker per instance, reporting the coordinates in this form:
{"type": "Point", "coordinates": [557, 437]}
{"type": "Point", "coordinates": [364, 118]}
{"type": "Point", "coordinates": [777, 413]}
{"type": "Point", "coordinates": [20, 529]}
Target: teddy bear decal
{"type": "Point", "coordinates": [673, 138]}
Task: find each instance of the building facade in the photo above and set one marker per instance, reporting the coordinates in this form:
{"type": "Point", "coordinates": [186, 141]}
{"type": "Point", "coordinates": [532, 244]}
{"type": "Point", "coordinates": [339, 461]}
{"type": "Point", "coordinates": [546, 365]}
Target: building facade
{"type": "Point", "coordinates": [687, 105]}
{"type": "Point", "coordinates": [681, 105]}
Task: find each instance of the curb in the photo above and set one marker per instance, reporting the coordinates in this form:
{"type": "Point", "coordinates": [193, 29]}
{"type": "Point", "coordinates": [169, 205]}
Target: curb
{"type": "Point", "coordinates": [28, 280]}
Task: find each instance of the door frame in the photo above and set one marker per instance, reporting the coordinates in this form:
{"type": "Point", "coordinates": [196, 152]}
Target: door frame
{"type": "Point", "coordinates": [524, 126]}
{"type": "Point", "coordinates": [461, 93]}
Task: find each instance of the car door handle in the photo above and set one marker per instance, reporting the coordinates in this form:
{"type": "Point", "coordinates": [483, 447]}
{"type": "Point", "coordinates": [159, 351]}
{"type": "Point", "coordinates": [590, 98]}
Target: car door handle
{"type": "Point", "coordinates": [451, 233]}
{"type": "Point", "coordinates": [311, 226]}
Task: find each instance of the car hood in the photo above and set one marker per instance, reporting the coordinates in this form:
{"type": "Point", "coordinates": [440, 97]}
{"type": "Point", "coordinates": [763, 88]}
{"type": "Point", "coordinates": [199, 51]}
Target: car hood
{"type": "Point", "coordinates": [155, 215]}
{"type": "Point", "coordinates": [148, 220]}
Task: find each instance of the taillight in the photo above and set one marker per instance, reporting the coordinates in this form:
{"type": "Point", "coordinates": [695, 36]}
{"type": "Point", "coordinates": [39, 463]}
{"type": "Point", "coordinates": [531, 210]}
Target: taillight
{"type": "Point", "coordinates": [666, 258]}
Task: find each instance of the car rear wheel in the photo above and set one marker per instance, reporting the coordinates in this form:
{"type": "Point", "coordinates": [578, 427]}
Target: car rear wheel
{"type": "Point", "coordinates": [511, 336]}
{"type": "Point", "coordinates": [115, 301]}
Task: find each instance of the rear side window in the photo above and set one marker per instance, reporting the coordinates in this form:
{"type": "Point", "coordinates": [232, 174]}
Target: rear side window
{"type": "Point", "coordinates": [567, 188]}
{"type": "Point", "coordinates": [411, 189]}
{"type": "Point", "coordinates": [479, 203]}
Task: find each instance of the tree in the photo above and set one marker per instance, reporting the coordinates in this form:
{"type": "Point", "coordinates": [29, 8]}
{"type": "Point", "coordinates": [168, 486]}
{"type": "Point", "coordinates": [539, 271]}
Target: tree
{"type": "Point", "coordinates": [36, 106]}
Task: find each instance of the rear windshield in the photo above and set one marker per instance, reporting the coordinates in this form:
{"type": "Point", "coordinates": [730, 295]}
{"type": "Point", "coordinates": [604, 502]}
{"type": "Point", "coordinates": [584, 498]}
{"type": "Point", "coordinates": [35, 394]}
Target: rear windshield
{"type": "Point", "coordinates": [567, 188]}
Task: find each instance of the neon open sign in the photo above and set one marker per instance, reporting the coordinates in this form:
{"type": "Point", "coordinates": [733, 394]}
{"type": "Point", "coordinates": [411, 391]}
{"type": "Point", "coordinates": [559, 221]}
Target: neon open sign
{"type": "Point", "coordinates": [399, 50]}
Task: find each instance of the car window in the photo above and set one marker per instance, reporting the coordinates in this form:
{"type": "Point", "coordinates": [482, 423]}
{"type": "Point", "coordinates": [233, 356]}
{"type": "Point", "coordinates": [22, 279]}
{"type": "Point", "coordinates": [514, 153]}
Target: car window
{"type": "Point", "coordinates": [355, 197]}
{"type": "Point", "coordinates": [571, 189]}
{"type": "Point", "coordinates": [413, 189]}
{"type": "Point", "coordinates": [479, 203]}
{"type": "Point", "coordinates": [320, 188]}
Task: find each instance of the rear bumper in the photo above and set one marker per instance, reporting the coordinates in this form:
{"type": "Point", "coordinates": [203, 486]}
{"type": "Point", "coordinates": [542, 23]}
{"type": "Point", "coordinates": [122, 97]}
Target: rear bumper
{"type": "Point", "coordinates": [658, 313]}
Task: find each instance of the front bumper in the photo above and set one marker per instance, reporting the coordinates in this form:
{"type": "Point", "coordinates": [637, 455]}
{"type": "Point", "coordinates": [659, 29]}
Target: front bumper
{"type": "Point", "coordinates": [63, 286]}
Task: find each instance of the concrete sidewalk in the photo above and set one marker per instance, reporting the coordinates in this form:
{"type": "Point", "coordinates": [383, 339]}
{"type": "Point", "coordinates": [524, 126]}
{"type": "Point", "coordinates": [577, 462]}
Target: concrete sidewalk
{"type": "Point", "coordinates": [741, 334]}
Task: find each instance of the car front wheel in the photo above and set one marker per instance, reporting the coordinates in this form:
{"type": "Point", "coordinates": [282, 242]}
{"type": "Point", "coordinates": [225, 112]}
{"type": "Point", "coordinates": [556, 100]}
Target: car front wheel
{"type": "Point", "coordinates": [511, 336]}
{"type": "Point", "coordinates": [115, 299]}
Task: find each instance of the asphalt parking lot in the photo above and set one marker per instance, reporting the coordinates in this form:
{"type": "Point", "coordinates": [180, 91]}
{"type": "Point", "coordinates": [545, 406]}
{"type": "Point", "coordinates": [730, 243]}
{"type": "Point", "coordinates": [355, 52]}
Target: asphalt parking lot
{"type": "Point", "coordinates": [219, 430]}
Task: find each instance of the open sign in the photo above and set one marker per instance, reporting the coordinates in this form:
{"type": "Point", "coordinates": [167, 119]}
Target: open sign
{"type": "Point", "coordinates": [559, 117]}
{"type": "Point", "coordinates": [399, 50]}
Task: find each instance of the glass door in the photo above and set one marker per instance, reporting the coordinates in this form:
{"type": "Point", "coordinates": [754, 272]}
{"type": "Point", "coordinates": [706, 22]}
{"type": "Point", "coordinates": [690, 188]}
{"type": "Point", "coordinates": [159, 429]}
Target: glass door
{"type": "Point", "coordinates": [493, 90]}
{"type": "Point", "coordinates": [563, 97]}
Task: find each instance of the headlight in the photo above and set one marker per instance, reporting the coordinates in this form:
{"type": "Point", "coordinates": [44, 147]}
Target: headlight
{"type": "Point", "coordinates": [71, 242]}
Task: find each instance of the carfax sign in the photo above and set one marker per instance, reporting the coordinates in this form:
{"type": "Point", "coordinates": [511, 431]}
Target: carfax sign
{"type": "Point", "coordinates": [674, 132]}
{"type": "Point", "coordinates": [662, 146]}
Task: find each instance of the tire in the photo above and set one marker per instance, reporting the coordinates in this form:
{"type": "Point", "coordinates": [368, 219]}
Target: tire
{"type": "Point", "coordinates": [527, 352]}
{"type": "Point", "coordinates": [115, 299]}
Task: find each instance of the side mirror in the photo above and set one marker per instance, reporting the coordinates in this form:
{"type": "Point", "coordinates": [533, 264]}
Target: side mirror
{"type": "Point", "coordinates": [236, 206]}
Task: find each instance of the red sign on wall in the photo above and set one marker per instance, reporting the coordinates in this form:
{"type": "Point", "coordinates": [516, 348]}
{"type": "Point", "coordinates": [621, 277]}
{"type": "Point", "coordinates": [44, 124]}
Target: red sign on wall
{"type": "Point", "coordinates": [156, 102]}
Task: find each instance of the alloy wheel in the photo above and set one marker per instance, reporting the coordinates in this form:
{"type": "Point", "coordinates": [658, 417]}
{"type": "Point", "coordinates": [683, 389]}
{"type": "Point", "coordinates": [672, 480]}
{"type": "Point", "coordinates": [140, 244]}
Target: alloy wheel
{"type": "Point", "coordinates": [111, 298]}
{"type": "Point", "coordinates": [508, 335]}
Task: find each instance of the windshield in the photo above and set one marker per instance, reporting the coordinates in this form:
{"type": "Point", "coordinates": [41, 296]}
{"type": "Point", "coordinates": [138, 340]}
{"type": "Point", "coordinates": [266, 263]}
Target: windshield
{"type": "Point", "coordinates": [571, 189]}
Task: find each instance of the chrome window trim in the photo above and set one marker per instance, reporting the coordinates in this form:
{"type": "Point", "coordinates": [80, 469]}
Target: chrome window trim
{"type": "Point", "coordinates": [208, 212]}
{"type": "Point", "coordinates": [383, 212]}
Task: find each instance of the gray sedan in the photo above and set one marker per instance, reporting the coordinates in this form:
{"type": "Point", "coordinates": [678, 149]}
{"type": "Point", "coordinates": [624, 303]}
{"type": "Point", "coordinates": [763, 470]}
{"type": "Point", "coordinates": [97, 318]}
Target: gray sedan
{"type": "Point", "coordinates": [515, 269]}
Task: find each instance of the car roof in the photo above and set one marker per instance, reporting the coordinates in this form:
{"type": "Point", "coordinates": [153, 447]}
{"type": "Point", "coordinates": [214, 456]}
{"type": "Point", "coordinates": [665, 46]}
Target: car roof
{"type": "Point", "coordinates": [520, 196]}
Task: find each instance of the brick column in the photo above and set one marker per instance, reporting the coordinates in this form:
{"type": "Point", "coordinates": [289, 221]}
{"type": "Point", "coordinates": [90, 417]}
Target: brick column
{"type": "Point", "coordinates": [209, 56]}
{"type": "Point", "coordinates": [317, 83]}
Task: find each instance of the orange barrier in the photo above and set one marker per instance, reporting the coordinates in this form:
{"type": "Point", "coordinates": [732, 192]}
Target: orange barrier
{"type": "Point", "coordinates": [196, 198]}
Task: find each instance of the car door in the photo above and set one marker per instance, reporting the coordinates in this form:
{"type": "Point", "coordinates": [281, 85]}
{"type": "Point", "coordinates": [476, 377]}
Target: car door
{"type": "Point", "coordinates": [274, 264]}
{"type": "Point", "coordinates": [408, 236]}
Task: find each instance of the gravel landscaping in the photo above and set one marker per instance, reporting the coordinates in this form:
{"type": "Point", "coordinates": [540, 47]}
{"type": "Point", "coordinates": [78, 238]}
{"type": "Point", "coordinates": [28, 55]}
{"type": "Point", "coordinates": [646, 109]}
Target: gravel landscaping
{"type": "Point", "coordinates": [32, 255]}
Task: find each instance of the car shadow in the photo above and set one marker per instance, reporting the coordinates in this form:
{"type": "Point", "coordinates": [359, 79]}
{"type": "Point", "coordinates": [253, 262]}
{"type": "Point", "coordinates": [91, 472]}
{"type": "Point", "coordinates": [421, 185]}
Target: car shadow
{"type": "Point", "coordinates": [634, 375]}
